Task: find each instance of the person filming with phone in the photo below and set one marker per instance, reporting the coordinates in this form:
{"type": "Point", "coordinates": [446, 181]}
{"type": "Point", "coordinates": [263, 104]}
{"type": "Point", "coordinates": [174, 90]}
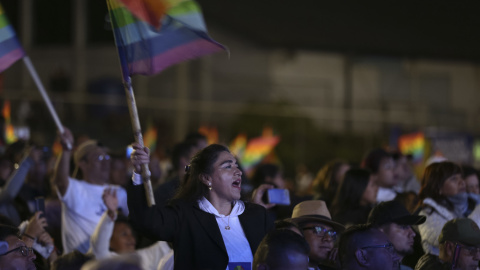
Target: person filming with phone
{"type": "Point", "coordinates": [283, 199]}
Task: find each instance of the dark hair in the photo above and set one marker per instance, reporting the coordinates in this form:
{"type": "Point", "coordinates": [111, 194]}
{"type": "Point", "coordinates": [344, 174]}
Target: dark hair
{"type": "Point", "coordinates": [351, 190]}
{"type": "Point", "coordinates": [347, 244]}
{"type": "Point", "coordinates": [71, 261]}
{"type": "Point", "coordinates": [6, 230]}
{"type": "Point", "coordinates": [4, 220]}
{"type": "Point", "coordinates": [433, 179]}
{"type": "Point", "coordinates": [468, 170]}
{"type": "Point", "coordinates": [194, 137]}
{"type": "Point", "coordinates": [325, 183]}
{"type": "Point", "coordinates": [285, 224]}
{"type": "Point", "coordinates": [373, 158]}
{"type": "Point", "coordinates": [262, 172]}
{"type": "Point", "coordinates": [276, 246]}
{"type": "Point", "coordinates": [181, 150]}
{"type": "Point", "coordinates": [202, 163]}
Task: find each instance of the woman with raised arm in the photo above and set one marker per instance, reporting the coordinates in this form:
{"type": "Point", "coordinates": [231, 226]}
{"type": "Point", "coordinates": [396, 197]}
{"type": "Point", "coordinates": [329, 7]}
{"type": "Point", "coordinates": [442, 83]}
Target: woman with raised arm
{"type": "Point", "coordinates": [208, 224]}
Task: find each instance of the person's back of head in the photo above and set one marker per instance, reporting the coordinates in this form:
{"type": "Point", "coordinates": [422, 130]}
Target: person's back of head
{"type": "Point", "coordinates": [364, 247]}
{"type": "Point", "coordinates": [71, 261]}
{"type": "Point", "coordinates": [329, 177]}
{"type": "Point", "coordinates": [198, 139]}
{"type": "Point", "coordinates": [181, 153]}
{"type": "Point", "coordinates": [281, 250]}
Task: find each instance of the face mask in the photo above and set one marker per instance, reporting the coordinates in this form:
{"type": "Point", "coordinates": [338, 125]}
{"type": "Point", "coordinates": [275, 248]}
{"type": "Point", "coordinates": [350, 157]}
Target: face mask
{"type": "Point", "coordinates": [460, 203]}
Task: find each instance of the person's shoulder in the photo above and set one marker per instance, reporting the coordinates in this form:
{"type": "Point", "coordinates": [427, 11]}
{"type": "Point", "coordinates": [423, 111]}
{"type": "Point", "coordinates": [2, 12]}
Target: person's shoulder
{"type": "Point", "coordinates": [253, 207]}
{"type": "Point", "coordinates": [429, 262]}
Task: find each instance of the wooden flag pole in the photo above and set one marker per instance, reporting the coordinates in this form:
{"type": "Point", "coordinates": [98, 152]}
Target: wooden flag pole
{"type": "Point", "coordinates": [43, 93]}
{"type": "Point", "coordinates": [40, 87]}
{"type": "Point", "coordinates": [137, 133]}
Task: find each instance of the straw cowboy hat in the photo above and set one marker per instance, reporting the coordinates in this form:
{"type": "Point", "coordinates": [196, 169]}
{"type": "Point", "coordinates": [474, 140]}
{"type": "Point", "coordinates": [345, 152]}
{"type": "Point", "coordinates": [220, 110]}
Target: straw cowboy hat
{"type": "Point", "coordinates": [314, 211]}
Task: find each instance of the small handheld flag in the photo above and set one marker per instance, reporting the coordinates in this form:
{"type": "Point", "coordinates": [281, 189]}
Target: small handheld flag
{"type": "Point", "coordinates": [10, 48]}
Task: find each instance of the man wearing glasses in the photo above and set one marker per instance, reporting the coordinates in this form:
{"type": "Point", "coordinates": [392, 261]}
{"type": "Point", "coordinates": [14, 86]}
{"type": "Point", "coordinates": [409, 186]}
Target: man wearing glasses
{"type": "Point", "coordinates": [459, 244]}
{"type": "Point", "coordinates": [367, 248]}
{"type": "Point", "coordinates": [320, 232]}
{"type": "Point", "coordinates": [14, 254]}
{"type": "Point", "coordinates": [394, 220]}
{"type": "Point", "coordinates": [82, 203]}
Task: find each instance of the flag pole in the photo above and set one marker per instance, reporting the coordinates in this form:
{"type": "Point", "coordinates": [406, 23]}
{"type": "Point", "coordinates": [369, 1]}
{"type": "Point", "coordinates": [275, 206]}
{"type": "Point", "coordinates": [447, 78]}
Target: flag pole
{"type": "Point", "coordinates": [137, 133]}
{"type": "Point", "coordinates": [43, 93]}
{"type": "Point", "coordinates": [40, 87]}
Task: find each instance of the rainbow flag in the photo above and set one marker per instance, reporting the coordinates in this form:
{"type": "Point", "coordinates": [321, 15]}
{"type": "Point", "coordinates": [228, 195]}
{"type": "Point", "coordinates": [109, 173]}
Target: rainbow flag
{"type": "Point", "coordinates": [257, 149]}
{"type": "Point", "coordinates": [10, 48]}
{"type": "Point", "coordinates": [150, 138]}
{"type": "Point", "coordinates": [238, 145]}
{"type": "Point", "coordinates": [413, 144]}
{"type": "Point", "coordinates": [145, 50]}
{"type": "Point", "coordinates": [10, 136]}
{"type": "Point", "coordinates": [210, 132]}
{"type": "Point", "coordinates": [150, 11]}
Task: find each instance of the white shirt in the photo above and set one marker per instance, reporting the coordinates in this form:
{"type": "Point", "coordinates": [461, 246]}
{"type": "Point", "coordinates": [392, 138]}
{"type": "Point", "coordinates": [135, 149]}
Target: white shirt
{"type": "Point", "coordinates": [235, 241]}
{"type": "Point", "coordinates": [82, 208]}
{"type": "Point", "coordinates": [385, 194]}
{"type": "Point", "coordinates": [100, 245]}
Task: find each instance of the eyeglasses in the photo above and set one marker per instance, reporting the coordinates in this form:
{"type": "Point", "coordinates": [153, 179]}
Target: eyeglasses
{"type": "Point", "coordinates": [321, 232]}
{"type": "Point", "coordinates": [23, 249]}
{"type": "Point", "coordinates": [389, 247]}
{"type": "Point", "coordinates": [103, 157]}
{"type": "Point", "coordinates": [472, 251]}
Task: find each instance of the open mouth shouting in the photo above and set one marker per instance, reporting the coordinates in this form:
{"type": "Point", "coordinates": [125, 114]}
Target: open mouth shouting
{"type": "Point", "coordinates": [237, 183]}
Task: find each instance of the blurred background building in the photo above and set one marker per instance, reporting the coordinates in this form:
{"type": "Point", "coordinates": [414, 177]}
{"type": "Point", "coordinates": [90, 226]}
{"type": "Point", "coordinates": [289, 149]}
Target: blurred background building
{"type": "Point", "coordinates": [330, 78]}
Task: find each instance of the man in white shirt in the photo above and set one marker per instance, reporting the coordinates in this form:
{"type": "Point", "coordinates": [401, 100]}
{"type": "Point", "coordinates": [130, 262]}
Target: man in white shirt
{"type": "Point", "coordinates": [82, 204]}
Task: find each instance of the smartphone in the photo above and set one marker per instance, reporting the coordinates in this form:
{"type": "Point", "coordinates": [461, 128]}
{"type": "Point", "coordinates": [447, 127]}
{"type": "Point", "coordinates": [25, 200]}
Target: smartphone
{"type": "Point", "coordinates": [278, 196]}
{"type": "Point", "coordinates": [40, 205]}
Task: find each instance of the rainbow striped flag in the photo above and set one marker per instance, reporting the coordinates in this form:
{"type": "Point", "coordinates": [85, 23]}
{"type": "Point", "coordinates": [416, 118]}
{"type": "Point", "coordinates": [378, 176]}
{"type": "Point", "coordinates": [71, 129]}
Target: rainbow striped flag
{"type": "Point", "coordinates": [144, 49]}
{"type": "Point", "coordinates": [150, 138]}
{"type": "Point", "coordinates": [10, 48]}
{"type": "Point", "coordinates": [413, 144]}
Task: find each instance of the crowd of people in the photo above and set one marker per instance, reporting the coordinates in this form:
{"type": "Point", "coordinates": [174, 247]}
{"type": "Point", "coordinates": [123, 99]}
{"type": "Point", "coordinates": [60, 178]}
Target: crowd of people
{"type": "Point", "coordinates": [86, 208]}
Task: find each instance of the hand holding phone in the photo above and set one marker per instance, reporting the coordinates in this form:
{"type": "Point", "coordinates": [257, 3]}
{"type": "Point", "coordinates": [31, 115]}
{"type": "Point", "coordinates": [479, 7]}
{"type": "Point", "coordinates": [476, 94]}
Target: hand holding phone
{"type": "Point", "coordinates": [278, 196]}
{"type": "Point", "coordinates": [40, 205]}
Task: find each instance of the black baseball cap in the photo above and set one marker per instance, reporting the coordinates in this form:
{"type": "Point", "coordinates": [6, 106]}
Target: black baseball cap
{"type": "Point", "coordinates": [393, 212]}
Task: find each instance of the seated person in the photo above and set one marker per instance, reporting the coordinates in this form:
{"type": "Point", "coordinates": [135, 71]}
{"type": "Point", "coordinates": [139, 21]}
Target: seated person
{"type": "Point", "coordinates": [113, 236]}
{"type": "Point", "coordinates": [393, 219]}
{"type": "Point", "coordinates": [14, 254]}
{"type": "Point", "coordinates": [364, 247]}
{"type": "Point", "coordinates": [282, 250]}
{"type": "Point", "coordinates": [381, 165]}
{"type": "Point", "coordinates": [459, 247]}
{"type": "Point", "coordinates": [320, 232]}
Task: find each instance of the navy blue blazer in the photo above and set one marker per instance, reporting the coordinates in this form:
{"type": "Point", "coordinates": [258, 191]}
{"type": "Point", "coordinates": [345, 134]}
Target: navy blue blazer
{"type": "Point", "coordinates": [196, 238]}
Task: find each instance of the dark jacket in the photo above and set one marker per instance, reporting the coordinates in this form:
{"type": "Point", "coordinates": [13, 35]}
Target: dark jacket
{"type": "Point", "coordinates": [431, 262]}
{"type": "Point", "coordinates": [196, 238]}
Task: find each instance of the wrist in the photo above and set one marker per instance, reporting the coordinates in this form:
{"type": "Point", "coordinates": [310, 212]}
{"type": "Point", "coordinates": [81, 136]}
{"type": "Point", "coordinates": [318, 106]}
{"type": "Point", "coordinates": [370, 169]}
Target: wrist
{"type": "Point", "coordinates": [29, 236]}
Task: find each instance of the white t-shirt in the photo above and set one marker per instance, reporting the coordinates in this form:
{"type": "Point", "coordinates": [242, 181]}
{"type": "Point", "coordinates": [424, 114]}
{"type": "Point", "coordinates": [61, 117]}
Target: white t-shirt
{"type": "Point", "coordinates": [82, 208]}
{"type": "Point", "coordinates": [385, 194]}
